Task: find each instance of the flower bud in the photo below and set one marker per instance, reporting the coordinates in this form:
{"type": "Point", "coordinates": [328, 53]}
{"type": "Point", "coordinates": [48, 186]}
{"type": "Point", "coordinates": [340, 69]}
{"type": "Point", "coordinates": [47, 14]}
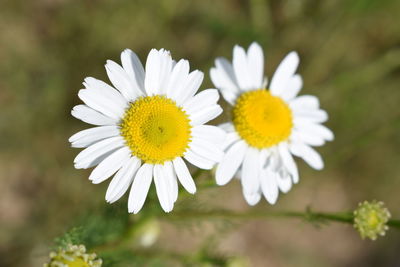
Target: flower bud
{"type": "Point", "coordinates": [73, 256]}
{"type": "Point", "coordinates": [370, 219]}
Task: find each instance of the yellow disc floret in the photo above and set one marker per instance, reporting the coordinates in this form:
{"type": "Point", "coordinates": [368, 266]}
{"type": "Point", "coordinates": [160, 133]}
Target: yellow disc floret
{"type": "Point", "coordinates": [156, 129]}
{"type": "Point", "coordinates": [261, 119]}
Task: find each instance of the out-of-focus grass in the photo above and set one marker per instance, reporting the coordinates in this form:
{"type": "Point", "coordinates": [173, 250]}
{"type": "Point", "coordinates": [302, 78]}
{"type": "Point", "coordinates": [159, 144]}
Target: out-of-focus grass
{"type": "Point", "coordinates": [350, 53]}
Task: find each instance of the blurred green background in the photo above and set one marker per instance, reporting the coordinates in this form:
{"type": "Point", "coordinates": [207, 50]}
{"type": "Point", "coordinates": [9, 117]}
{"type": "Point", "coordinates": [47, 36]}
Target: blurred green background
{"type": "Point", "coordinates": [350, 53]}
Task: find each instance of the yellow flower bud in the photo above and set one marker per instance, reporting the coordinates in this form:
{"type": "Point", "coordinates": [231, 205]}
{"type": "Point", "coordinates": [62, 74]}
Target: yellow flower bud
{"type": "Point", "coordinates": [73, 256]}
{"type": "Point", "coordinates": [370, 219]}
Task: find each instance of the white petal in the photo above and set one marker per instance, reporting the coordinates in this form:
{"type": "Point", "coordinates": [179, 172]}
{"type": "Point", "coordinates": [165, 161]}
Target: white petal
{"type": "Point", "coordinates": [122, 180]}
{"type": "Point", "coordinates": [91, 116]}
{"type": "Point", "coordinates": [231, 138]}
{"type": "Point", "coordinates": [242, 71]}
{"type": "Point", "coordinates": [140, 188]}
{"type": "Point", "coordinates": [284, 182]}
{"type": "Point", "coordinates": [274, 162]}
{"type": "Point", "coordinates": [209, 133]}
{"type": "Point", "coordinates": [89, 156]}
{"type": "Point", "coordinates": [252, 198]}
{"type": "Point", "coordinates": [172, 181]}
{"type": "Point", "coordinates": [316, 116]}
{"type": "Point", "coordinates": [198, 160]}
{"type": "Point", "coordinates": [101, 103]}
{"type": "Point", "coordinates": [304, 102]}
{"type": "Point", "coordinates": [121, 81]}
{"type": "Point", "coordinates": [110, 165]}
{"type": "Point", "coordinates": [134, 68]}
{"type": "Point", "coordinates": [205, 98]}
{"type": "Point", "coordinates": [309, 155]}
{"type": "Point", "coordinates": [230, 163]}
{"type": "Point", "coordinates": [103, 98]}
{"type": "Point", "coordinates": [151, 80]}
{"type": "Point", "coordinates": [269, 186]}
{"type": "Point", "coordinates": [250, 171]}
{"type": "Point", "coordinates": [317, 129]}
{"type": "Point", "coordinates": [263, 158]}
{"type": "Point", "coordinates": [229, 91]}
{"type": "Point", "coordinates": [165, 70]}
{"type": "Point", "coordinates": [306, 137]}
{"type": "Point", "coordinates": [227, 126]}
{"type": "Point", "coordinates": [293, 87]}
{"type": "Point", "coordinates": [105, 89]}
{"type": "Point", "coordinates": [190, 87]}
{"type": "Point", "coordinates": [89, 136]}
{"type": "Point", "coordinates": [283, 73]}
{"type": "Point", "coordinates": [289, 162]}
{"type": "Point", "coordinates": [255, 60]}
{"type": "Point", "coordinates": [158, 71]}
{"type": "Point", "coordinates": [229, 96]}
{"type": "Point", "coordinates": [223, 76]}
{"type": "Point", "coordinates": [206, 149]}
{"type": "Point", "coordinates": [178, 78]}
{"type": "Point", "coordinates": [205, 115]}
{"type": "Point", "coordinates": [162, 188]}
{"type": "Point", "coordinates": [184, 175]}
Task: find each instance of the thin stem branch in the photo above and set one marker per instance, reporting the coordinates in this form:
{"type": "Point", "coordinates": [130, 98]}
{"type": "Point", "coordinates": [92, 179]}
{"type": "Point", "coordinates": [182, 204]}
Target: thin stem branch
{"type": "Point", "coordinates": [394, 223]}
{"type": "Point", "coordinates": [223, 214]}
{"type": "Point", "coordinates": [308, 215]}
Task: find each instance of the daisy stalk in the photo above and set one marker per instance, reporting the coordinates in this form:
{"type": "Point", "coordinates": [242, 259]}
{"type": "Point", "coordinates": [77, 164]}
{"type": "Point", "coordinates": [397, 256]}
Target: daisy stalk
{"type": "Point", "coordinates": [308, 215]}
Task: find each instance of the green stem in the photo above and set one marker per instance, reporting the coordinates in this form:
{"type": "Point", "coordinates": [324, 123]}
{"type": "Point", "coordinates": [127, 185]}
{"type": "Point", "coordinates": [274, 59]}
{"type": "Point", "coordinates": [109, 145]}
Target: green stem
{"type": "Point", "coordinates": [343, 217]}
{"type": "Point", "coordinates": [394, 223]}
{"type": "Point", "coordinates": [223, 214]}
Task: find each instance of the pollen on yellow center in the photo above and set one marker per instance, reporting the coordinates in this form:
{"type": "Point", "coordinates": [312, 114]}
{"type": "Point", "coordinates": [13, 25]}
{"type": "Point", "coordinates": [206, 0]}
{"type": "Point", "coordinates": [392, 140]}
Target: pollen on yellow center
{"type": "Point", "coordinates": [77, 262]}
{"type": "Point", "coordinates": [261, 119]}
{"type": "Point", "coordinates": [156, 129]}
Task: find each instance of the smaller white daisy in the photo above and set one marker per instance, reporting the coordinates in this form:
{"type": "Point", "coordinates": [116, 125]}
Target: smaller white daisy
{"type": "Point", "coordinates": [268, 126]}
{"type": "Point", "coordinates": [147, 122]}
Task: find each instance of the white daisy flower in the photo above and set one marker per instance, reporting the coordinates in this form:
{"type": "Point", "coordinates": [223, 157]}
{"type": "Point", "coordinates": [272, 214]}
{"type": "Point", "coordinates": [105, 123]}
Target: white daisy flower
{"type": "Point", "coordinates": [268, 125]}
{"type": "Point", "coordinates": [147, 122]}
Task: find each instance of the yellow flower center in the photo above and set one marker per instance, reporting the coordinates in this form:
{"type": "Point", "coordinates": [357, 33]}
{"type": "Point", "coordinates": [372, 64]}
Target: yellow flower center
{"type": "Point", "coordinates": [156, 129]}
{"type": "Point", "coordinates": [261, 119]}
{"type": "Point", "coordinates": [373, 219]}
{"type": "Point", "coordinates": [77, 262]}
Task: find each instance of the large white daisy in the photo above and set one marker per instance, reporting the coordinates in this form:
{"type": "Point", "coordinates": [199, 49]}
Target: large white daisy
{"type": "Point", "coordinates": [147, 122]}
{"type": "Point", "coordinates": [268, 125]}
